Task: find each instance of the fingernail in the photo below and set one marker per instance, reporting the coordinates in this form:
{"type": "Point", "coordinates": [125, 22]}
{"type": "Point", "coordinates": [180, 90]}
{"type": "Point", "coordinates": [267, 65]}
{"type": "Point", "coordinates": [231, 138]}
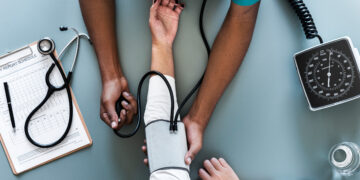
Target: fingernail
{"type": "Point", "coordinates": [126, 103]}
{"type": "Point", "coordinates": [123, 112]}
{"type": "Point", "coordinates": [113, 125]}
{"type": "Point", "coordinates": [188, 160]}
{"type": "Point", "coordinates": [126, 94]}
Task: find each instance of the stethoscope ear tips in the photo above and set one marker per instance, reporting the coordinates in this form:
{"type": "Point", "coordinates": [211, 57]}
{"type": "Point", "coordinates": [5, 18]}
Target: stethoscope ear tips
{"type": "Point", "coordinates": [46, 46]}
{"type": "Point", "coordinates": [63, 28]}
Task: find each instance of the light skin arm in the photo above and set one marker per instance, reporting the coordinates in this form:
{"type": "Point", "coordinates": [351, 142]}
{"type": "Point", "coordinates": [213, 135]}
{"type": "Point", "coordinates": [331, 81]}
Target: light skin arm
{"type": "Point", "coordinates": [99, 17]}
{"type": "Point", "coordinates": [228, 52]}
{"type": "Point", "coordinates": [163, 22]}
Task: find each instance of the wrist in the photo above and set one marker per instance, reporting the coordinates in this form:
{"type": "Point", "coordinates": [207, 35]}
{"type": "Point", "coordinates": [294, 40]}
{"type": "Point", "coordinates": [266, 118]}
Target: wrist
{"type": "Point", "coordinates": [161, 46]}
{"type": "Point", "coordinates": [198, 116]}
{"type": "Point", "coordinates": [112, 79]}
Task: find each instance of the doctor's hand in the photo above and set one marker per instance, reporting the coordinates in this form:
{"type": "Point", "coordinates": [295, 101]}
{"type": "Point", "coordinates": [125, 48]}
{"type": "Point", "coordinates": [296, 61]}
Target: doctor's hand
{"type": "Point", "coordinates": [112, 89]}
{"type": "Point", "coordinates": [194, 136]}
{"type": "Point", "coordinates": [164, 20]}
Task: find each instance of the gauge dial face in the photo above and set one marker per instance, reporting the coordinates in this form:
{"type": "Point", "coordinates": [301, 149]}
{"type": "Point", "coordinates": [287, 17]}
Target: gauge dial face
{"type": "Point", "coordinates": [329, 74]}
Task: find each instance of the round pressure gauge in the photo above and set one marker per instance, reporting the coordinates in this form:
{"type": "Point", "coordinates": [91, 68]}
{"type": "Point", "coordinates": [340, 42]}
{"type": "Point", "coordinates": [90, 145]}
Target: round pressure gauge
{"type": "Point", "coordinates": [329, 74]}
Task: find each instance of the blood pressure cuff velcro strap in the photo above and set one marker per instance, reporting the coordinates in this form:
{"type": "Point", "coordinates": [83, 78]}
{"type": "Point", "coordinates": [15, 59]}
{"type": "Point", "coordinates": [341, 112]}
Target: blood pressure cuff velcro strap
{"type": "Point", "coordinates": [166, 149]}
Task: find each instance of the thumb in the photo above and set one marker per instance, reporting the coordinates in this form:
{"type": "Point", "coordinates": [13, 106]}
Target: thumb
{"type": "Point", "coordinates": [192, 152]}
{"type": "Point", "coordinates": [110, 109]}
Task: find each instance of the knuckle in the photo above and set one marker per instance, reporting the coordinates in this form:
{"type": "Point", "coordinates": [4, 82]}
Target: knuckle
{"type": "Point", "coordinates": [104, 100]}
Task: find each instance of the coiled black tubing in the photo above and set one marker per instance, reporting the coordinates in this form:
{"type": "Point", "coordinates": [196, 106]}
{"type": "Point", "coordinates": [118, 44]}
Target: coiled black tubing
{"type": "Point", "coordinates": [306, 19]}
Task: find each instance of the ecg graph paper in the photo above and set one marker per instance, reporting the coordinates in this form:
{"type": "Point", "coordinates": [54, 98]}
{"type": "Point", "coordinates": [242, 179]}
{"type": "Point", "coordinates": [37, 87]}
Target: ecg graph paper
{"type": "Point", "coordinates": [25, 76]}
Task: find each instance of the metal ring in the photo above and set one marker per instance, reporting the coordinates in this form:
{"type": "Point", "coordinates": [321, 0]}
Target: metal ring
{"type": "Point", "coordinates": [51, 47]}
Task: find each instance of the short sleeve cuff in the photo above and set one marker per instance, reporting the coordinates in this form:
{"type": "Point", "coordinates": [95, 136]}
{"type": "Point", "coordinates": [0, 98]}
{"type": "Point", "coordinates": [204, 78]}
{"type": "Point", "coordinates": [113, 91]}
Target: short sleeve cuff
{"type": "Point", "coordinates": [245, 2]}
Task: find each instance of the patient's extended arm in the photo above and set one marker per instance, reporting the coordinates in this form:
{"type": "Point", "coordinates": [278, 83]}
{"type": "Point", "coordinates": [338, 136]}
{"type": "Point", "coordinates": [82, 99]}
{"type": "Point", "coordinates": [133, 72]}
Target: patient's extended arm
{"type": "Point", "coordinates": [166, 149]}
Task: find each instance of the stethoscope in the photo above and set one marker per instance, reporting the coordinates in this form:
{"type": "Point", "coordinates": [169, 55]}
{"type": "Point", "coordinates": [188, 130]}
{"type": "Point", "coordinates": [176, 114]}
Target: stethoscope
{"type": "Point", "coordinates": [46, 46]}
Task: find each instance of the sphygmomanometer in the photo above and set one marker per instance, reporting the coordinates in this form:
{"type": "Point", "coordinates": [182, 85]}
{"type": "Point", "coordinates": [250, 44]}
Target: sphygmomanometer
{"type": "Point", "coordinates": [328, 72]}
{"type": "Point", "coordinates": [173, 117]}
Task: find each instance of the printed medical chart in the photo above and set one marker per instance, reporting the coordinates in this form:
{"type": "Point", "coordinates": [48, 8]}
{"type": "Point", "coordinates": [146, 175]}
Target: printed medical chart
{"type": "Point", "coordinates": [24, 71]}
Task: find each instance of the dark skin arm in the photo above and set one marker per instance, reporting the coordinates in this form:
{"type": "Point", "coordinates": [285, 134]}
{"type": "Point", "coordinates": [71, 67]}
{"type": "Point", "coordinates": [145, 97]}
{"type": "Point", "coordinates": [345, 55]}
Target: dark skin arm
{"type": "Point", "coordinates": [99, 17]}
{"type": "Point", "coordinates": [227, 54]}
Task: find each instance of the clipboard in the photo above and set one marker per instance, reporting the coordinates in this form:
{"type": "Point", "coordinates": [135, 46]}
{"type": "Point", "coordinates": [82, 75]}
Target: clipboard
{"type": "Point", "coordinates": [55, 152]}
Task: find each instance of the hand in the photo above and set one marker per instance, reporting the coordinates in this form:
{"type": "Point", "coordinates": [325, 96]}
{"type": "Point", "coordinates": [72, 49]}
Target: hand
{"type": "Point", "coordinates": [112, 89]}
{"type": "Point", "coordinates": [144, 150]}
{"type": "Point", "coordinates": [217, 169]}
{"type": "Point", "coordinates": [164, 20]}
{"type": "Point", "coordinates": [194, 135]}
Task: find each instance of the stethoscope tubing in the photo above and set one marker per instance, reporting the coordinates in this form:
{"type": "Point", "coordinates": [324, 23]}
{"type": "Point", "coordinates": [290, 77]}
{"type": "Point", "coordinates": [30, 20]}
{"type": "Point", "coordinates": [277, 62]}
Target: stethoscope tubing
{"type": "Point", "coordinates": [50, 92]}
{"type": "Point", "coordinates": [52, 89]}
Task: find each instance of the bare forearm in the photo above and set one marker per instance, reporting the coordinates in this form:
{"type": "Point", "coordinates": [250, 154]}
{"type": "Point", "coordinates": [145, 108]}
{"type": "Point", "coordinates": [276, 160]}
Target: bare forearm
{"type": "Point", "coordinates": [99, 17]}
{"type": "Point", "coordinates": [162, 59]}
{"type": "Point", "coordinates": [227, 54]}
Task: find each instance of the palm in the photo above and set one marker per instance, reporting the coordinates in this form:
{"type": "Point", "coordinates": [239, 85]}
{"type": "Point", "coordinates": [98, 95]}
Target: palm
{"type": "Point", "coordinates": [164, 24]}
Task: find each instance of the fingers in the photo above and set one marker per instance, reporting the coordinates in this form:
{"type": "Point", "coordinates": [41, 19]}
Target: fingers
{"type": "Point", "coordinates": [171, 4]}
{"type": "Point", "coordinates": [209, 167]}
{"type": "Point", "coordinates": [104, 116]}
{"type": "Point", "coordinates": [216, 163]}
{"type": "Point", "coordinates": [164, 2]}
{"type": "Point", "coordinates": [193, 150]}
{"type": "Point", "coordinates": [153, 9]}
{"type": "Point", "coordinates": [203, 174]}
{"type": "Point", "coordinates": [178, 9]}
{"type": "Point", "coordinates": [156, 3]}
{"type": "Point", "coordinates": [175, 6]}
{"type": "Point", "coordinates": [130, 107]}
{"type": "Point", "coordinates": [131, 100]}
{"type": "Point", "coordinates": [144, 149]}
{"type": "Point", "coordinates": [127, 112]}
{"type": "Point", "coordinates": [223, 163]}
{"type": "Point", "coordinates": [109, 115]}
{"type": "Point", "coordinates": [122, 118]}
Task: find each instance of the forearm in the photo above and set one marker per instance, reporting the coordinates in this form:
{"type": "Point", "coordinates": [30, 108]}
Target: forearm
{"type": "Point", "coordinates": [227, 54]}
{"type": "Point", "coordinates": [162, 59]}
{"type": "Point", "coordinates": [99, 17]}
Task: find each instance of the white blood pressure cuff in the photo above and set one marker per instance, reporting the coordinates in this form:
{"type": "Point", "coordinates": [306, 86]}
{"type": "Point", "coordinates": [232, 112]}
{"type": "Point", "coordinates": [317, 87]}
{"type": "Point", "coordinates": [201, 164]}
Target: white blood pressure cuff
{"type": "Point", "coordinates": [166, 149]}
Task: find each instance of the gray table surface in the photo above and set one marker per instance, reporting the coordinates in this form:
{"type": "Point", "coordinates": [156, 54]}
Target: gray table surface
{"type": "Point", "coordinates": [262, 124]}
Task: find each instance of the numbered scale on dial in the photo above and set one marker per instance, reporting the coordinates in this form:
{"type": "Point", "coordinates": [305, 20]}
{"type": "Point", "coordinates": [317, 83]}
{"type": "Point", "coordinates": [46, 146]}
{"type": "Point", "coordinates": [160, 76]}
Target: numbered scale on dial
{"type": "Point", "coordinates": [329, 73]}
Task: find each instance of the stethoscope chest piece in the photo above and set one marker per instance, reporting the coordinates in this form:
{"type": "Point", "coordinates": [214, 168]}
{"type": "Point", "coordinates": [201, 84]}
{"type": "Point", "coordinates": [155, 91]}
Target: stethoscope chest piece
{"type": "Point", "coordinates": [46, 46]}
